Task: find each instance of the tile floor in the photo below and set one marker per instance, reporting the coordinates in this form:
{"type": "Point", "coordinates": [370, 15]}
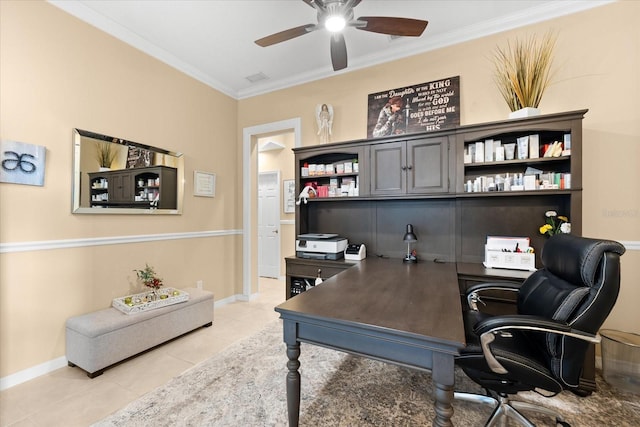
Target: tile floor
{"type": "Point", "coordinates": [67, 397]}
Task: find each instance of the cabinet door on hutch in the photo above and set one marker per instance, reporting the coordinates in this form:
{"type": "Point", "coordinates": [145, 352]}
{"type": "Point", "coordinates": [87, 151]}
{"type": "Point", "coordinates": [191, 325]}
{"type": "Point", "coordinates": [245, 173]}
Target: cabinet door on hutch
{"type": "Point", "coordinates": [388, 166]}
{"type": "Point", "coordinates": [418, 166]}
{"type": "Point", "coordinates": [121, 187]}
{"type": "Point", "coordinates": [428, 165]}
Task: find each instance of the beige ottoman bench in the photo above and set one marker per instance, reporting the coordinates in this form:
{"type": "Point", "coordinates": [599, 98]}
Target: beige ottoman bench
{"type": "Point", "coordinates": [100, 339]}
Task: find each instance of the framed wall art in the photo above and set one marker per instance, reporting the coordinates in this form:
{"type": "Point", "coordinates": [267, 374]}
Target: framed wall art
{"type": "Point", "coordinates": [204, 184]}
{"type": "Point", "coordinates": [289, 191]}
{"type": "Point", "coordinates": [22, 163]}
{"type": "Point", "coordinates": [424, 107]}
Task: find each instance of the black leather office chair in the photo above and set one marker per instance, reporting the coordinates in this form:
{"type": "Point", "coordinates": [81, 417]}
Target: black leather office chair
{"type": "Point", "coordinates": [559, 311]}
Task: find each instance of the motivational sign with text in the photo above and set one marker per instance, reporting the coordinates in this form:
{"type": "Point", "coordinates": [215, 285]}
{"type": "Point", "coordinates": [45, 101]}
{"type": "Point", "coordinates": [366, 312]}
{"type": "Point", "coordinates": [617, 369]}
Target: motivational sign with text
{"type": "Point", "coordinates": [424, 107]}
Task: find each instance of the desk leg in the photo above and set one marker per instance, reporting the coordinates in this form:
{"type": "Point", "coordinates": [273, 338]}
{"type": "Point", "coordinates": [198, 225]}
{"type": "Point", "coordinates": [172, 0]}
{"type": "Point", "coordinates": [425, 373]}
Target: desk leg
{"type": "Point", "coordinates": [443, 378]}
{"type": "Point", "coordinates": [293, 376]}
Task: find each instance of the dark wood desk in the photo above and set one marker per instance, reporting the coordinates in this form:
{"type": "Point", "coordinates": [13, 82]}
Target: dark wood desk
{"type": "Point", "coordinates": [405, 314]}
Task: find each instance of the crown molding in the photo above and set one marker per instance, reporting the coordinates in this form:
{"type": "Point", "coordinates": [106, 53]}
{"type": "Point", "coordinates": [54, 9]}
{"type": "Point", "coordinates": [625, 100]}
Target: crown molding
{"type": "Point", "coordinates": [543, 12]}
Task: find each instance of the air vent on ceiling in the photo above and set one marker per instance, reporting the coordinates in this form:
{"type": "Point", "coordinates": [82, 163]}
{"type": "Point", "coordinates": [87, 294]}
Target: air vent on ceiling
{"type": "Point", "coordinates": [257, 77]}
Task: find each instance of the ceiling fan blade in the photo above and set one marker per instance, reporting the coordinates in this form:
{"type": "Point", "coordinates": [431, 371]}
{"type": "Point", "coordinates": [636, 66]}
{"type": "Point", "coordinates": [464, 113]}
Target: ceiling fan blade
{"type": "Point", "coordinates": [338, 52]}
{"type": "Point", "coordinates": [393, 26]}
{"type": "Point", "coordinates": [285, 35]}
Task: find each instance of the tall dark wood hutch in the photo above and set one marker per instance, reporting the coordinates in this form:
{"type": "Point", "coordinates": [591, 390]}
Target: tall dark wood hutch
{"type": "Point", "coordinates": [422, 179]}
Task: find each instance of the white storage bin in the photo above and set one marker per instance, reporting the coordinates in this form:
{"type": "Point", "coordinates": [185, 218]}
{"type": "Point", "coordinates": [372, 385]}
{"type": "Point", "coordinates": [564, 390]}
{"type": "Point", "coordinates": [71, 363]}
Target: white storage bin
{"type": "Point", "coordinates": [509, 260]}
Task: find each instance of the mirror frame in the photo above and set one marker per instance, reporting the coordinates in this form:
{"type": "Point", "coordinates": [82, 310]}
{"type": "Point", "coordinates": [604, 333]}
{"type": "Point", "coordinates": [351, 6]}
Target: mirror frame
{"type": "Point", "coordinates": [80, 136]}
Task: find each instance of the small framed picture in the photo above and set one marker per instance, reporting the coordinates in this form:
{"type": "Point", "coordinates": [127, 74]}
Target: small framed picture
{"type": "Point", "coordinates": [289, 195]}
{"type": "Point", "coordinates": [204, 184]}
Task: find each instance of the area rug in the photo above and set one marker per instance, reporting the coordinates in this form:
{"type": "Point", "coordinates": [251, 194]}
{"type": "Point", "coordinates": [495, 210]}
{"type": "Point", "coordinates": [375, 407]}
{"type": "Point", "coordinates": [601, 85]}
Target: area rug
{"type": "Point", "coordinates": [244, 385]}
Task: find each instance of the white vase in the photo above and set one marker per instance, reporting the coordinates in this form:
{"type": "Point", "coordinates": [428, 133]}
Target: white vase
{"type": "Point", "coordinates": [524, 112]}
{"type": "Point", "coordinates": [103, 169]}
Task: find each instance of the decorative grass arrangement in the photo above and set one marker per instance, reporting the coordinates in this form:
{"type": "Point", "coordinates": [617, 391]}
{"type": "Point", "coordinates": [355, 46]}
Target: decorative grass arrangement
{"type": "Point", "coordinates": [522, 70]}
{"type": "Point", "coordinates": [105, 154]}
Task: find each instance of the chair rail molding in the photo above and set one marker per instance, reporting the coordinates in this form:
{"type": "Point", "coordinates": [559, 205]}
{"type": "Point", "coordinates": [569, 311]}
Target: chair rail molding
{"type": "Point", "coordinates": [113, 240]}
{"type": "Point", "coordinates": [630, 245]}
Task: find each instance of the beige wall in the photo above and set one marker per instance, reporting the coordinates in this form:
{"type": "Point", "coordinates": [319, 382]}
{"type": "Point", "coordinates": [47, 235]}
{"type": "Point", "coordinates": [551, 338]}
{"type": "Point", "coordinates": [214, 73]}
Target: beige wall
{"type": "Point", "coordinates": [58, 73]}
{"type": "Point", "coordinates": [597, 66]}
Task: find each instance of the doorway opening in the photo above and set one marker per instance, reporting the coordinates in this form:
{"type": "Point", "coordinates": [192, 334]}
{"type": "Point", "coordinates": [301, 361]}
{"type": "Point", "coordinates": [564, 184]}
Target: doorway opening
{"type": "Point", "coordinates": [250, 169]}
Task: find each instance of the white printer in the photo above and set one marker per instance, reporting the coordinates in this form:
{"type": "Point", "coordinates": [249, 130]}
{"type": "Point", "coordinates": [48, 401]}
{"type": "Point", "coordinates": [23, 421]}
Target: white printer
{"type": "Point", "coordinates": [320, 246]}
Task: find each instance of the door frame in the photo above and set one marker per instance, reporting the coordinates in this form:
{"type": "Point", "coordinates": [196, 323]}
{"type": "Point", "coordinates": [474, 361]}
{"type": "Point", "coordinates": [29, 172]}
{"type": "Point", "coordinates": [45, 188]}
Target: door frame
{"type": "Point", "coordinates": [249, 178]}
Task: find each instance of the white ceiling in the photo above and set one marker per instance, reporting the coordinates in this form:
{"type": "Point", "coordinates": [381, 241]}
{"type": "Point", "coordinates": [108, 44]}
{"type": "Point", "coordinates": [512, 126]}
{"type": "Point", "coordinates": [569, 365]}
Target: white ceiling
{"type": "Point", "coordinates": [213, 40]}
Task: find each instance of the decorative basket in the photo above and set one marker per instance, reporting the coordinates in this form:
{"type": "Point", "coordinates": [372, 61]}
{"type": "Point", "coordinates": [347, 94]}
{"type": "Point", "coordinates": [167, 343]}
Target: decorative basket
{"type": "Point", "coordinates": [144, 301]}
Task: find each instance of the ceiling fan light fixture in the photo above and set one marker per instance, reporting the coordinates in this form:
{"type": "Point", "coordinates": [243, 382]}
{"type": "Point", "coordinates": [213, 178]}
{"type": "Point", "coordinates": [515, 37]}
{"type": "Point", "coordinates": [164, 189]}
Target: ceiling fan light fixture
{"type": "Point", "coordinates": [334, 16]}
{"type": "Point", "coordinates": [335, 23]}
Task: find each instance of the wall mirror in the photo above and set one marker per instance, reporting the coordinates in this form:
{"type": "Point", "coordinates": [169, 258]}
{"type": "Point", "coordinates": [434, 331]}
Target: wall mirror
{"type": "Point", "coordinates": [114, 176]}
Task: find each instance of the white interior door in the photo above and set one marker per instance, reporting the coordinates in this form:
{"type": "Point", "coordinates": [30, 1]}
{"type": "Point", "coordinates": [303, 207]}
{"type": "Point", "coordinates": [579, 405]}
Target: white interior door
{"type": "Point", "coordinates": [269, 224]}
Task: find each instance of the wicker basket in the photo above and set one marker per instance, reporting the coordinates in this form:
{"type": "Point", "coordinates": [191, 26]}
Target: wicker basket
{"type": "Point", "coordinates": [144, 301]}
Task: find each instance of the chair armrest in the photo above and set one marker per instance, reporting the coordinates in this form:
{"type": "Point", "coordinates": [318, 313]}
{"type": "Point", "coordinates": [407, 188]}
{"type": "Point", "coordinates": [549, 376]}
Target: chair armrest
{"type": "Point", "coordinates": [475, 292]}
{"type": "Point", "coordinates": [489, 328]}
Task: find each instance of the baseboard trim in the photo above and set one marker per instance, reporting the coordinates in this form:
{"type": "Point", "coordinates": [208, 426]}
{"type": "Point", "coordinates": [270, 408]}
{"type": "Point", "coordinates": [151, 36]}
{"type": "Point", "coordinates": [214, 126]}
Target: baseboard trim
{"type": "Point", "coordinates": [115, 240]}
{"type": "Point", "coordinates": [31, 373]}
{"type": "Point", "coordinates": [60, 362]}
{"type": "Point", "coordinates": [225, 301]}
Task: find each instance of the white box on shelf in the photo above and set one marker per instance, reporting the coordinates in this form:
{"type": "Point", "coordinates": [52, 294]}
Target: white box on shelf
{"type": "Point", "coordinates": [488, 150]}
{"type": "Point", "coordinates": [497, 144]}
{"type": "Point", "coordinates": [509, 252]}
{"type": "Point", "coordinates": [534, 146]}
{"type": "Point", "coordinates": [479, 156]}
{"type": "Point", "coordinates": [509, 260]}
{"type": "Point", "coordinates": [523, 148]}
{"type": "Point", "coordinates": [529, 182]}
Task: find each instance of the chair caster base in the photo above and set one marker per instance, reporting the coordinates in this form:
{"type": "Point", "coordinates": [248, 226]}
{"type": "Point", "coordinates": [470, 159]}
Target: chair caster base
{"type": "Point", "coordinates": [504, 408]}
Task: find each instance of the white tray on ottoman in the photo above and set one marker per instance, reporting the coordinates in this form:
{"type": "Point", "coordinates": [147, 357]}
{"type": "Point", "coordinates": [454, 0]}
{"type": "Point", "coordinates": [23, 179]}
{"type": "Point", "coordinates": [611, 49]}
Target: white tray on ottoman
{"type": "Point", "coordinates": [143, 302]}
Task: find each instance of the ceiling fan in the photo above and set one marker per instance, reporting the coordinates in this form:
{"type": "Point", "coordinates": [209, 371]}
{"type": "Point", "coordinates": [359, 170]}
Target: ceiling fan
{"type": "Point", "coordinates": [334, 15]}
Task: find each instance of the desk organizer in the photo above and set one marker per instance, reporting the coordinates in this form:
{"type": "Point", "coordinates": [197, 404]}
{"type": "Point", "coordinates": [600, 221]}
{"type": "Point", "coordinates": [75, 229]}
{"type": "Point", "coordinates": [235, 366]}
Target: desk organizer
{"type": "Point", "coordinates": [141, 302]}
{"type": "Point", "coordinates": [510, 260]}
